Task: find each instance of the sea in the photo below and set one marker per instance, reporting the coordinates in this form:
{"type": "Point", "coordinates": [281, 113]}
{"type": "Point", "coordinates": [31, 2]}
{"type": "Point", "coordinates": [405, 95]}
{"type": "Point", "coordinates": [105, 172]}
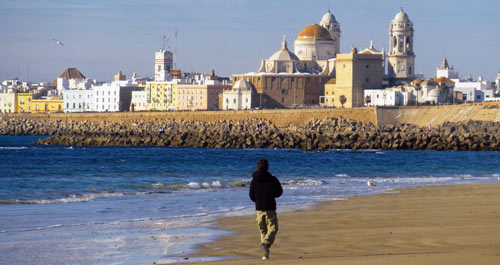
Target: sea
{"type": "Point", "coordinates": [146, 205]}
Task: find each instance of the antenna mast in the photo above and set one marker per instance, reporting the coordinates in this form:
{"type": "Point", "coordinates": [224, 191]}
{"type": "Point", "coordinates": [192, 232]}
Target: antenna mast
{"type": "Point", "coordinates": [175, 51]}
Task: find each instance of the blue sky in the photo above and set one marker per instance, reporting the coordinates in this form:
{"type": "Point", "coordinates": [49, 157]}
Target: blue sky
{"type": "Point", "coordinates": [231, 36]}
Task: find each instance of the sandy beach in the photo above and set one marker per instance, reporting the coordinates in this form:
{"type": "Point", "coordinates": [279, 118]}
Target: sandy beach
{"type": "Point", "coordinates": [457, 224]}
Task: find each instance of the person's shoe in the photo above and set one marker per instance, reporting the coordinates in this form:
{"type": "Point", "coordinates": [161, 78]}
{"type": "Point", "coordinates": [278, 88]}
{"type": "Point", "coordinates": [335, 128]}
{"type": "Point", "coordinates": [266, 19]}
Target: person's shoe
{"type": "Point", "coordinates": [265, 251]}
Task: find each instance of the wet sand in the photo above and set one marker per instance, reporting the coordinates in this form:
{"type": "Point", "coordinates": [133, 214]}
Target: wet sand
{"type": "Point", "coordinates": [456, 224]}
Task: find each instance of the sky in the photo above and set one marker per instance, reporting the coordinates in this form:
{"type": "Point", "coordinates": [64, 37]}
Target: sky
{"type": "Point", "coordinates": [230, 36]}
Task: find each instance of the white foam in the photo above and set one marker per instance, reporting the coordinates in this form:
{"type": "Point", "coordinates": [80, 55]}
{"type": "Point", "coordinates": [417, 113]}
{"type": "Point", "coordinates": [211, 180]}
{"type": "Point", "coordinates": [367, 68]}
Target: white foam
{"type": "Point", "coordinates": [73, 198]}
{"type": "Point", "coordinates": [193, 185]}
{"type": "Point", "coordinates": [217, 184]}
{"type": "Point", "coordinates": [13, 148]}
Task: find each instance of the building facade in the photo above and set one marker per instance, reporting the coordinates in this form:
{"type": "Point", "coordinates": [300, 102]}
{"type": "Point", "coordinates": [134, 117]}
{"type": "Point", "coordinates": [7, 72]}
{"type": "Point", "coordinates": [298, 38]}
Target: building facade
{"type": "Point", "coordinates": [239, 97]}
{"type": "Point", "coordinates": [163, 65]}
{"type": "Point", "coordinates": [114, 97]}
{"type": "Point", "coordinates": [139, 101]}
{"type": "Point", "coordinates": [199, 96]}
{"type": "Point", "coordinates": [446, 71]}
{"type": "Point", "coordinates": [355, 73]}
{"type": "Point", "coordinates": [78, 100]}
{"type": "Point", "coordinates": [161, 95]}
{"type": "Point", "coordinates": [27, 104]}
{"type": "Point", "coordinates": [8, 102]}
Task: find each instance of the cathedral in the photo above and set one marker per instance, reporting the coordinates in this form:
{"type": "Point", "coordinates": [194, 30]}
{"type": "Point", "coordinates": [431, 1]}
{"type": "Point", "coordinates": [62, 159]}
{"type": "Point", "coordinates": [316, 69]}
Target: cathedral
{"type": "Point", "coordinates": [293, 79]}
{"type": "Point", "coordinates": [315, 49]}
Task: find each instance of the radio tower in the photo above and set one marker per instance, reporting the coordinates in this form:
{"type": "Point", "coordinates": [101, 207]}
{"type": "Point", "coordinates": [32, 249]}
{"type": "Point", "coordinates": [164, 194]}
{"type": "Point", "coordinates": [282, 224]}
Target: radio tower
{"type": "Point", "coordinates": [175, 50]}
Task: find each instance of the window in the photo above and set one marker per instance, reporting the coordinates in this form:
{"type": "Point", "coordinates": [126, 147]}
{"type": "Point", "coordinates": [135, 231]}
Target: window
{"type": "Point", "coordinates": [367, 80]}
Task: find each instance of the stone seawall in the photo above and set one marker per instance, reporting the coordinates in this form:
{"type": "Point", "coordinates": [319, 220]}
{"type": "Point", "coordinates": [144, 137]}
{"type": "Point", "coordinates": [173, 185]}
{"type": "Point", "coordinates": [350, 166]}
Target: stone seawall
{"type": "Point", "coordinates": [327, 133]}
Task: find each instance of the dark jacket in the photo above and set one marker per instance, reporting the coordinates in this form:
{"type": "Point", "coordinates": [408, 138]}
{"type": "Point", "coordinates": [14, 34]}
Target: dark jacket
{"type": "Point", "coordinates": [264, 188]}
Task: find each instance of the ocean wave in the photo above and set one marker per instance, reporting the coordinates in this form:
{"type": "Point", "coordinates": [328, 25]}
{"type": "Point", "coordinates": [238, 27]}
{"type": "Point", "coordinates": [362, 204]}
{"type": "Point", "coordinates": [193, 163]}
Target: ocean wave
{"type": "Point", "coordinates": [342, 175]}
{"type": "Point", "coordinates": [303, 182]}
{"type": "Point", "coordinates": [13, 147]}
{"type": "Point", "coordinates": [71, 199]}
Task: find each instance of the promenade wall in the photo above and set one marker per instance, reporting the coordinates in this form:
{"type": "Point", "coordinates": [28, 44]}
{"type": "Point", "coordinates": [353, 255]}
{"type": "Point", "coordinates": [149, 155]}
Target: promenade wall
{"type": "Point", "coordinates": [280, 118]}
{"type": "Point", "coordinates": [420, 116]}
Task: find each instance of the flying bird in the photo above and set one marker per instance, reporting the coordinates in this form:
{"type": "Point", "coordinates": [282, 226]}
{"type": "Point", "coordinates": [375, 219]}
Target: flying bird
{"type": "Point", "coordinates": [370, 183]}
{"type": "Point", "coordinates": [58, 42]}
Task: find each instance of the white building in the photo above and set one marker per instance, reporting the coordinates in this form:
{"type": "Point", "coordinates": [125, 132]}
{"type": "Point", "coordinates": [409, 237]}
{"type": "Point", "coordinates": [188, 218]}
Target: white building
{"type": "Point", "coordinates": [139, 101]}
{"type": "Point", "coordinates": [78, 100]}
{"type": "Point", "coordinates": [497, 81]}
{"type": "Point", "coordinates": [446, 71]}
{"type": "Point", "coordinates": [386, 97]}
{"type": "Point", "coordinates": [112, 97]}
{"type": "Point", "coordinates": [106, 97]}
{"type": "Point", "coordinates": [163, 65]}
{"type": "Point", "coordinates": [7, 102]}
{"type": "Point", "coordinates": [474, 91]}
{"type": "Point", "coordinates": [239, 97]}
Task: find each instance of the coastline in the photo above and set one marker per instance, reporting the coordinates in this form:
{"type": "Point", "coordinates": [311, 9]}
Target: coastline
{"type": "Point", "coordinates": [450, 224]}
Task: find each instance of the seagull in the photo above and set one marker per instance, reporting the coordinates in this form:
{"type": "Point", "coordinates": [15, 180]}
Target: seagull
{"type": "Point", "coordinates": [370, 183]}
{"type": "Point", "coordinates": [58, 42]}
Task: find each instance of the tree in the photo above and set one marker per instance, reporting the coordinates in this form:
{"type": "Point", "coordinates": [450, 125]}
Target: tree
{"type": "Point", "coordinates": [343, 100]}
{"type": "Point", "coordinates": [418, 87]}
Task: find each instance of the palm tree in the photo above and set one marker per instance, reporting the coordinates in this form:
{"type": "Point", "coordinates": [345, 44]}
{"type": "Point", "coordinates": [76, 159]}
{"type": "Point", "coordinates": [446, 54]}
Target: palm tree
{"type": "Point", "coordinates": [418, 87]}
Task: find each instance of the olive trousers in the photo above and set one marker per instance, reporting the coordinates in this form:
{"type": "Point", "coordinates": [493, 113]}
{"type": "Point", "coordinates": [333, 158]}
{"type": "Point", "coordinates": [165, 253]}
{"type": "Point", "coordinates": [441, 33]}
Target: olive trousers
{"type": "Point", "coordinates": [268, 226]}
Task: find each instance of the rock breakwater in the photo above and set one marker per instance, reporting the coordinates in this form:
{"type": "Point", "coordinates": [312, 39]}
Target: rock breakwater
{"type": "Point", "coordinates": [328, 133]}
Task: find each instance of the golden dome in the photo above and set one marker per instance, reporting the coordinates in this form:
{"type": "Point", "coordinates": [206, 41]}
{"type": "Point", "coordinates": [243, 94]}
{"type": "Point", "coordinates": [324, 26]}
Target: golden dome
{"type": "Point", "coordinates": [314, 31]}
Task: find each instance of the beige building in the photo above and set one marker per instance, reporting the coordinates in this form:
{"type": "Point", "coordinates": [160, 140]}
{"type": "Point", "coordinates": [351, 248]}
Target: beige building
{"type": "Point", "coordinates": [288, 79]}
{"type": "Point", "coordinates": [199, 96]}
{"type": "Point", "coordinates": [8, 102]}
{"type": "Point", "coordinates": [284, 90]}
{"type": "Point", "coordinates": [355, 72]}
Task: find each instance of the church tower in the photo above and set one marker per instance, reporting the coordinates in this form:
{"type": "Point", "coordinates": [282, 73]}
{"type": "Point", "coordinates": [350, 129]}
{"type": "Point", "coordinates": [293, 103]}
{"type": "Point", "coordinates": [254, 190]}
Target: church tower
{"type": "Point", "coordinates": [163, 65]}
{"type": "Point", "coordinates": [401, 56]}
{"type": "Point", "coordinates": [330, 23]}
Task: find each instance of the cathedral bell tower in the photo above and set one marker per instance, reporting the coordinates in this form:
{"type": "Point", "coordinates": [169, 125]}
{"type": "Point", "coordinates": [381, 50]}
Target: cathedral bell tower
{"type": "Point", "coordinates": [330, 23]}
{"type": "Point", "coordinates": [401, 56]}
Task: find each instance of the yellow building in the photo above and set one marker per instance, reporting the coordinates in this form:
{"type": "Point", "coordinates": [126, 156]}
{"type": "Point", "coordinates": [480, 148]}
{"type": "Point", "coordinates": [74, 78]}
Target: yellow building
{"type": "Point", "coordinates": [161, 95]}
{"type": "Point", "coordinates": [354, 73]}
{"type": "Point", "coordinates": [26, 104]}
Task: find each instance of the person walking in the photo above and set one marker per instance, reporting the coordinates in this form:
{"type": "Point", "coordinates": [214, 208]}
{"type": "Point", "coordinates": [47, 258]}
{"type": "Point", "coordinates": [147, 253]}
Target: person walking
{"type": "Point", "coordinates": [264, 189]}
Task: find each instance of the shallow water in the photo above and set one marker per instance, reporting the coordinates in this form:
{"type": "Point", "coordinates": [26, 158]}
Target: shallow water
{"type": "Point", "coordinates": [139, 205]}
